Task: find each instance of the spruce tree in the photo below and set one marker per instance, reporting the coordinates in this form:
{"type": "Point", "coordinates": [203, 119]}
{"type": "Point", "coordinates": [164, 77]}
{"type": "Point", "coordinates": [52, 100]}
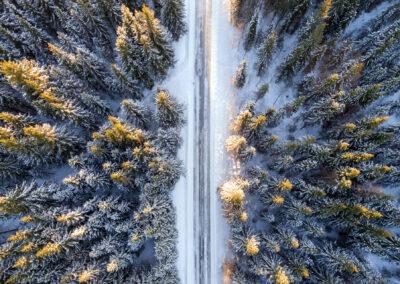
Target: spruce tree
{"type": "Point", "coordinates": [172, 17]}
{"type": "Point", "coordinates": [252, 32]}
{"type": "Point", "coordinates": [58, 86]}
{"type": "Point", "coordinates": [156, 42]}
{"type": "Point", "coordinates": [266, 51]}
{"type": "Point", "coordinates": [295, 15]}
{"type": "Point", "coordinates": [341, 13]}
{"type": "Point", "coordinates": [169, 111]}
{"type": "Point", "coordinates": [89, 23]}
{"type": "Point", "coordinates": [262, 91]}
{"type": "Point", "coordinates": [130, 49]}
{"type": "Point", "coordinates": [240, 78]}
{"type": "Point", "coordinates": [310, 38]}
{"type": "Point", "coordinates": [333, 181]}
{"type": "Point", "coordinates": [84, 63]}
{"type": "Point", "coordinates": [136, 112]}
{"type": "Point", "coordinates": [111, 9]}
{"type": "Point", "coordinates": [34, 82]}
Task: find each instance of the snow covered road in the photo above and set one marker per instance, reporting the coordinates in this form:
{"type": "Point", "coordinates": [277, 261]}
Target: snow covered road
{"type": "Point", "coordinates": [222, 61]}
{"type": "Point", "coordinates": [201, 80]}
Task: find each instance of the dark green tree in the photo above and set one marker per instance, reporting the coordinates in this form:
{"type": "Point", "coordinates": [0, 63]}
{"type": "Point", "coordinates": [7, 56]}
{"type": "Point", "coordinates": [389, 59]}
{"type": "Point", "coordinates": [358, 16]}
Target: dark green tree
{"type": "Point", "coordinates": [173, 17]}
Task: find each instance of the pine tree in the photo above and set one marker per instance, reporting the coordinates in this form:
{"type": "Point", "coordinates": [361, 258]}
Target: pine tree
{"type": "Point", "coordinates": [35, 36]}
{"type": "Point", "coordinates": [324, 110]}
{"type": "Point", "coordinates": [17, 121]}
{"type": "Point", "coordinates": [40, 144]}
{"type": "Point", "coordinates": [32, 39]}
{"type": "Point", "coordinates": [338, 260]}
{"type": "Point", "coordinates": [155, 42]}
{"type": "Point", "coordinates": [119, 190]}
{"type": "Point", "coordinates": [295, 15]}
{"type": "Point", "coordinates": [310, 37]}
{"type": "Point", "coordinates": [266, 51]}
{"type": "Point", "coordinates": [136, 112]}
{"type": "Point", "coordinates": [10, 169]}
{"type": "Point", "coordinates": [242, 121]}
{"type": "Point", "coordinates": [25, 74]}
{"type": "Point", "coordinates": [169, 111]}
{"type": "Point", "coordinates": [240, 78]}
{"type": "Point", "coordinates": [235, 10]}
{"type": "Point", "coordinates": [341, 14]}
{"type": "Point", "coordinates": [232, 191]}
{"type": "Point", "coordinates": [63, 108]}
{"type": "Point", "coordinates": [111, 9]}
{"type": "Point", "coordinates": [252, 32]}
{"type": "Point", "coordinates": [237, 146]}
{"type": "Point", "coordinates": [130, 49]}
{"type": "Point", "coordinates": [262, 91]}
{"type": "Point", "coordinates": [43, 11]}
{"type": "Point", "coordinates": [59, 140]}
{"type": "Point", "coordinates": [28, 198]}
{"type": "Point", "coordinates": [123, 83]}
{"type": "Point", "coordinates": [172, 16]}
{"type": "Point", "coordinates": [169, 140]}
{"type": "Point", "coordinates": [34, 82]}
{"type": "Point", "coordinates": [84, 63]}
{"type": "Point", "coordinates": [89, 23]}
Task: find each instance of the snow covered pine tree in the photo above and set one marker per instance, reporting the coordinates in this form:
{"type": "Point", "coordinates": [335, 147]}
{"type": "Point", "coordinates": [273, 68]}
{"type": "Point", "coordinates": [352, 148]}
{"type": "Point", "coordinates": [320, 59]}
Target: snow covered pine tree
{"type": "Point", "coordinates": [318, 204]}
{"type": "Point", "coordinates": [85, 186]}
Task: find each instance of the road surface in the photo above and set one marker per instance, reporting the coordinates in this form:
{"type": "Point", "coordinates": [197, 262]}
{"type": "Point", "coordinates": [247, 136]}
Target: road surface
{"type": "Point", "coordinates": [206, 61]}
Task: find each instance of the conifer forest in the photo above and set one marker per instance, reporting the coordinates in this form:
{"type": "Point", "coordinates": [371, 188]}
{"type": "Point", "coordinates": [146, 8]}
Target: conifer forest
{"type": "Point", "coordinates": [200, 141]}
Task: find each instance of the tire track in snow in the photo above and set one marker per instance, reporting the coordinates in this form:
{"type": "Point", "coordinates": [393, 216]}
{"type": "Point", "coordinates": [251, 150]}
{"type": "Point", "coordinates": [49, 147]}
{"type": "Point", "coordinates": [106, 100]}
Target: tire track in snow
{"type": "Point", "coordinates": [202, 231]}
{"type": "Point", "coordinates": [202, 186]}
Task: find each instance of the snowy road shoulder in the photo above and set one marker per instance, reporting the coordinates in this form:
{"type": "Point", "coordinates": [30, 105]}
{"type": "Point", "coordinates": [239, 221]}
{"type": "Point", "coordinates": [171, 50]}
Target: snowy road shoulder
{"type": "Point", "coordinates": [180, 83]}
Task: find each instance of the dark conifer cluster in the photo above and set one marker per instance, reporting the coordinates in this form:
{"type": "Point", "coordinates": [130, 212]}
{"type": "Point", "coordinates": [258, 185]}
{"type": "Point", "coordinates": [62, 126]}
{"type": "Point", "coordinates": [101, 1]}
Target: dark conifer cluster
{"type": "Point", "coordinates": [88, 152]}
{"type": "Point", "coordinates": [314, 206]}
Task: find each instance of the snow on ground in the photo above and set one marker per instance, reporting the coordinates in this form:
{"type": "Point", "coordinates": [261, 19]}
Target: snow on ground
{"type": "Point", "coordinates": [279, 92]}
{"type": "Point", "coordinates": [223, 60]}
{"type": "Point", "coordinates": [180, 83]}
{"type": "Point", "coordinates": [366, 17]}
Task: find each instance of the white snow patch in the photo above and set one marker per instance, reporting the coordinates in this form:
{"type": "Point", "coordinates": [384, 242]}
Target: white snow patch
{"type": "Point", "coordinates": [222, 64]}
{"type": "Point", "coordinates": [366, 17]}
{"type": "Point", "coordinates": [279, 93]}
{"type": "Point", "coordinates": [180, 83]}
